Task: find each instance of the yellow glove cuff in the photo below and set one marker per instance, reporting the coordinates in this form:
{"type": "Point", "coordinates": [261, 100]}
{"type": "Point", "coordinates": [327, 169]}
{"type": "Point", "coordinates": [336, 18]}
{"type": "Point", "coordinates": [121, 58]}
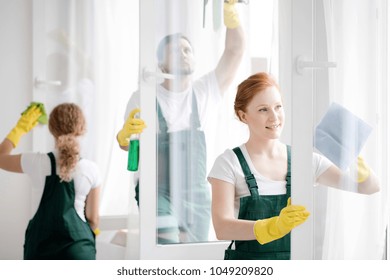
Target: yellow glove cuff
{"type": "Point", "coordinates": [14, 136]}
{"type": "Point", "coordinates": [266, 231]}
{"type": "Point", "coordinates": [96, 231]}
{"type": "Point", "coordinates": [363, 170]}
{"type": "Point", "coordinates": [230, 15]}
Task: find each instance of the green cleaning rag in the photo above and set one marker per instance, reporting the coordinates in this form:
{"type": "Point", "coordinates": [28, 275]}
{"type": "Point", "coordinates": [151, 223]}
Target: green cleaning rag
{"type": "Point", "coordinates": [43, 118]}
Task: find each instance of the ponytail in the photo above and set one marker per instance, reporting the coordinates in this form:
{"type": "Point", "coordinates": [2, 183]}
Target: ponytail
{"type": "Point", "coordinates": [66, 123]}
{"type": "Point", "coordinates": [69, 154]}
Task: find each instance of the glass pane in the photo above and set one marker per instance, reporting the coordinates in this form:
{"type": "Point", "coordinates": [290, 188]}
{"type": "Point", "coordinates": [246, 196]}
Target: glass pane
{"type": "Point", "coordinates": [84, 52]}
{"type": "Point", "coordinates": [195, 114]}
{"type": "Point", "coordinates": [350, 220]}
{"type": "Point", "coordinates": [184, 103]}
{"type": "Point", "coordinates": [66, 55]}
{"type": "Point", "coordinates": [82, 66]}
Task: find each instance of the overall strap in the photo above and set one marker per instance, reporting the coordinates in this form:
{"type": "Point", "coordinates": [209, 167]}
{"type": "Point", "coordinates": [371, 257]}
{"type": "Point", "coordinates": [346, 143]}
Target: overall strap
{"type": "Point", "coordinates": [249, 178]}
{"type": "Point", "coordinates": [288, 176]}
{"type": "Point", "coordinates": [162, 124]}
{"type": "Point", "coordinates": [195, 121]}
{"type": "Point", "coordinates": [52, 163]}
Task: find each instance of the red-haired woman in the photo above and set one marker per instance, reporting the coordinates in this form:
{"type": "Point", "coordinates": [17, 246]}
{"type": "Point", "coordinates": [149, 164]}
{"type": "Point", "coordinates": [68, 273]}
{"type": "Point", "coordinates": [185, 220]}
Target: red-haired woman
{"type": "Point", "coordinates": [66, 219]}
{"type": "Point", "coordinates": [251, 184]}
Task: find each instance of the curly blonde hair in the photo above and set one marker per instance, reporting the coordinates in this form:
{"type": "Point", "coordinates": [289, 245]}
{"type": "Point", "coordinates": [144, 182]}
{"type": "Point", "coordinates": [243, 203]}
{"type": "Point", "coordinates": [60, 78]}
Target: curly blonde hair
{"type": "Point", "coordinates": [66, 123]}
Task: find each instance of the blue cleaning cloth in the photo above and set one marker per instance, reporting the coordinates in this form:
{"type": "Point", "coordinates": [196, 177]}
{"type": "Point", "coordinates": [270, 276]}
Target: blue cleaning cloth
{"type": "Point", "coordinates": [340, 136]}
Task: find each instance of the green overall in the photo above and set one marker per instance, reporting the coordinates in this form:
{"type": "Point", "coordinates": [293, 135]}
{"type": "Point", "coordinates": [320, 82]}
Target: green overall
{"type": "Point", "coordinates": [255, 207]}
{"type": "Point", "coordinates": [181, 180]}
{"type": "Point", "coordinates": [56, 232]}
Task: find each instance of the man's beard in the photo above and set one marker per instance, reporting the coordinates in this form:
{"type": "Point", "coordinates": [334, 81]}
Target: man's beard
{"type": "Point", "coordinates": [179, 70]}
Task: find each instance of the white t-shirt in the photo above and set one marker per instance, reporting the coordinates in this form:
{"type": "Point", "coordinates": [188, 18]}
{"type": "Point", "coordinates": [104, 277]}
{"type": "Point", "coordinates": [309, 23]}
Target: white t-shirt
{"type": "Point", "coordinates": [227, 168]}
{"type": "Point", "coordinates": [86, 177]}
{"type": "Point", "coordinates": [176, 107]}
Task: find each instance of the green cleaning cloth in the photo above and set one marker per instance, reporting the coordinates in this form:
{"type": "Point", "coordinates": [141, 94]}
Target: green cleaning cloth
{"type": "Point", "coordinates": [43, 118]}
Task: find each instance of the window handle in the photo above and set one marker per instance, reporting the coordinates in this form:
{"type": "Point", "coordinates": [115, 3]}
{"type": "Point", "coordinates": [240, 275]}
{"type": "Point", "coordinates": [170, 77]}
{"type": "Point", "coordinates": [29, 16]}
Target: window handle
{"type": "Point", "coordinates": [153, 76]}
{"type": "Point", "coordinates": [40, 82]}
{"type": "Point", "coordinates": [302, 63]}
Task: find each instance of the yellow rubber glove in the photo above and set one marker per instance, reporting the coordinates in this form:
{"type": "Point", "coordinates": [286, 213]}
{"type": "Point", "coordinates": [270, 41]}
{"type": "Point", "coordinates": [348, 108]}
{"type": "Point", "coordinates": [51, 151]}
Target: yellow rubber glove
{"type": "Point", "coordinates": [230, 14]}
{"type": "Point", "coordinates": [363, 171]}
{"type": "Point", "coordinates": [268, 230]}
{"type": "Point", "coordinates": [43, 118]}
{"type": "Point", "coordinates": [131, 126]}
{"type": "Point", "coordinates": [26, 122]}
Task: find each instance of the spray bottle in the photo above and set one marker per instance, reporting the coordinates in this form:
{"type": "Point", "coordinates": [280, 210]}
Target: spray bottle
{"type": "Point", "coordinates": [133, 156]}
{"type": "Point", "coordinates": [133, 153]}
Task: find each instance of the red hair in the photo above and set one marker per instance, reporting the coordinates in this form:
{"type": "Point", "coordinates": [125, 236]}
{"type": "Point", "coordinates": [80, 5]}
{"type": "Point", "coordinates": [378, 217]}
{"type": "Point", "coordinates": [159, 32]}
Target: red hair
{"type": "Point", "coordinates": [250, 87]}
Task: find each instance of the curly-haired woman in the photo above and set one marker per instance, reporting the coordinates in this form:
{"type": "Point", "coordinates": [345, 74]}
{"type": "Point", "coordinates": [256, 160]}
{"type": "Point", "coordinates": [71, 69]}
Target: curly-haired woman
{"type": "Point", "coordinates": [66, 218]}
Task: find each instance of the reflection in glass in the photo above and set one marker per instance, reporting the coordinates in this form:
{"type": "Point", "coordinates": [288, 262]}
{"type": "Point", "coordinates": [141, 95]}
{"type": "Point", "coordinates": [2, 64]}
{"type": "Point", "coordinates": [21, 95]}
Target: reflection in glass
{"type": "Point", "coordinates": [186, 104]}
{"type": "Point", "coordinates": [349, 225]}
{"type": "Point", "coordinates": [183, 194]}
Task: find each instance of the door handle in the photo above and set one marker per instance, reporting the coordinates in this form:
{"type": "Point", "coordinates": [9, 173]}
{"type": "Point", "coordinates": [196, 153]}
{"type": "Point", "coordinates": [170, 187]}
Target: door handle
{"type": "Point", "coordinates": [40, 82]}
{"type": "Point", "coordinates": [151, 76]}
{"type": "Point", "coordinates": [302, 63]}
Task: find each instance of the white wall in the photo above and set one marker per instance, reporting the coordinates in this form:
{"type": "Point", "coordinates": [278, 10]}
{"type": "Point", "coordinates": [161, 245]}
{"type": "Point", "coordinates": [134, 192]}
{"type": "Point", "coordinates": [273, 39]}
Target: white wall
{"type": "Point", "coordinates": [16, 94]}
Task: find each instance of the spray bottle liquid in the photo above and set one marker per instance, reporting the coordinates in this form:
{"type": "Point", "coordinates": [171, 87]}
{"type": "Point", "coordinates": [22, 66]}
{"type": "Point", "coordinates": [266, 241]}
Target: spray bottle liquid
{"type": "Point", "coordinates": [133, 155]}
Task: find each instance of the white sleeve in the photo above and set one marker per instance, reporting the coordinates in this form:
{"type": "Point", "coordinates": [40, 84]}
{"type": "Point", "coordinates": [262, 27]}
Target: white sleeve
{"type": "Point", "coordinates": [223, 168]}
{"type": "Point", "coordinates": [97, 182]}
{"type": "Point", "coordinates": [90, 171]}
{"type": "Point", "coordinates": [320, 164]}
{"type": "Point", "coordinates": [207, 94]}
{"type": "Point", "coordinates": [134, 102]}
{"type": "Point", "coordinates": [37, 166]}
